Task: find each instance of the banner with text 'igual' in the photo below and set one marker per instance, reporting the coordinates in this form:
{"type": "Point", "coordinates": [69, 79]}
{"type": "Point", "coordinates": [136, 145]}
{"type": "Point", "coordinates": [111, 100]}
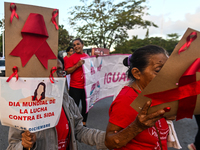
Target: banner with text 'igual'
{"type": "Point", "coordinates": [104, 77]}
{"type": "Point", "coordinates": [32, 104]}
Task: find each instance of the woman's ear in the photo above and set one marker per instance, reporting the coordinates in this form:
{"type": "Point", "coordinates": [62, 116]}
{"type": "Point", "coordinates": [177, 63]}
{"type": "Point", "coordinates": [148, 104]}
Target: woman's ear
{"type": "Point", "coordinates": [136, 73]}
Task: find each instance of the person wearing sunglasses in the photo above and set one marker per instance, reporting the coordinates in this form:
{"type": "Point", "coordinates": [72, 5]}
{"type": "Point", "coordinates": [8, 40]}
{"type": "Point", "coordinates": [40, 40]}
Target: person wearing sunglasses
{"type": "Point", "coordinates": [64, 135]}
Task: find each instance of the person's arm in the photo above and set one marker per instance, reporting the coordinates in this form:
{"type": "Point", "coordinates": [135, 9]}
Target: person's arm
{"type": "Point", "coordinates": [83, 134]}
{"type": "Point", "coordinates": [18, 140]}
{"type": "Point", "coordinates": [72, 69]}
{"type": "Point", "coordinates": [117, 137]}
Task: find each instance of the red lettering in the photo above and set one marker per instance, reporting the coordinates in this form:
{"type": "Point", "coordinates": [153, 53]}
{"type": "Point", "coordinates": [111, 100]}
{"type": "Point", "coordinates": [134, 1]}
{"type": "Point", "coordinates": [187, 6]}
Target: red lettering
{"type": "Point", "coordinates": [109, 78]}
{"type": "Point", "coordinates": [10, 103]}
{"type": "Point", "coordinates": [105, 78]}
{"type": "Point", "coordinates": [115, 80]}
{"type": "Point", "coordinates": [35, 110]}
{"type": "Point", "coordinates": [99, 68]}
{"type": "Point", "coordinates": [92, 71]}
{"type": "Point", "coordinates": [123, 77]}
{"type": "Point", "coordinates": [25, 118]}
{"type": "Point", "coordinates": [52, 101]}
{"type": "Point", "coordinates": [14, 103]}
{"type": "Point", "coordinates": [23, 112]}
{"type": "Point", "coordinates": [48, 114]}
{"type": "Point", "coordinates": [39, 116]}
{"type": "Point", "coordinates": [34, 103]}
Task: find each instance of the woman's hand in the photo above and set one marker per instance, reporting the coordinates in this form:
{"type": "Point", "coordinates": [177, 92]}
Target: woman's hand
{"type": "Point", "coordinates": [144, 120]}
{"type": "Point", "coordinates": [72, 69]}
{"type": "Point", "coordinates": [80, 63]}
{"type": "Point", "coordinates": [28, 139]}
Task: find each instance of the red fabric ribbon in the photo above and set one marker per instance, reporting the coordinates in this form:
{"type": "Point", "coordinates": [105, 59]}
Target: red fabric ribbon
{"type": "Point", "coordinates": [53, 69]}
{"type": "Point", "coordinates": [13, 12]}
{"type": "Point", "coordinates": [34, 35]}
{"type": "Point", "coordinates": [189, 40]}
{"type": "Point", "coordinates": [15, 71]}
{"type": "Point", "coordinates": [188, 88]}
{"type": "Point", "coordinates": [186, 93]}
{"type": "Point", "coordinates": [54, 15]}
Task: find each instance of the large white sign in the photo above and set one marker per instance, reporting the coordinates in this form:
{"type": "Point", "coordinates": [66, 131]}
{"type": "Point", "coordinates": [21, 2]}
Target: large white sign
{"type": "Point", "coordinates": [32, 104]}
{"type": "Point", "coordinates": [104, 77]}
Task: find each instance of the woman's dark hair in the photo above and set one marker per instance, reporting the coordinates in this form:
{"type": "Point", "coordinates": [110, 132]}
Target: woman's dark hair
{"type": "Point", "coordinates": [43, 93]}
{"type": "Point", "coordinates": [68, 49]}
{"type": "Point", "coordinates": [77, 39]}
{"type": "Point", "coordinates": [140, 58]}
{"type": "Point", "coordinates": [126, 61]}
{"type": "Point", "coordinates": [62, 60]}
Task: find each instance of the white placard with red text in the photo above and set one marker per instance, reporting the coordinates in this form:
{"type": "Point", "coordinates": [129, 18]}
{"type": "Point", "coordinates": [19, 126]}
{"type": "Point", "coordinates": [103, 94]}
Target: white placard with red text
{"type": "Point", "coordinates": [32, 104]}
{"type": "Point", "coordinates": [104, 77]}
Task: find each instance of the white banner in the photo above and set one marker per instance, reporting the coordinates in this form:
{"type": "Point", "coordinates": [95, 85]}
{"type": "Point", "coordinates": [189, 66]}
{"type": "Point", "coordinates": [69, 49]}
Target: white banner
{"type": "Point", "coordinates": [104, 77]}
{"type": "Point", "coordinates": [32, 104]}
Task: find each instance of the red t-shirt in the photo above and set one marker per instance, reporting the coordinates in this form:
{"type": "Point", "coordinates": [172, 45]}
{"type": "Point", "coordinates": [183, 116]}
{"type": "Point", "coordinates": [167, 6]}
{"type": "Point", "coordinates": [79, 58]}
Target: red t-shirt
{"type": "Point", "coordinates": [63, 132]}
{"type": "Point", "coordinates": [77, 78]}
{"type": "Point", "coordinates": [122, 115]}
{"type": "Point", "coordinates": [66, 60]}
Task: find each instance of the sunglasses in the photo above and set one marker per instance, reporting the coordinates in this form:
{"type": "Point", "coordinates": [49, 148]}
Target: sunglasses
{"type": "Point", "coordinates": [61, 73]}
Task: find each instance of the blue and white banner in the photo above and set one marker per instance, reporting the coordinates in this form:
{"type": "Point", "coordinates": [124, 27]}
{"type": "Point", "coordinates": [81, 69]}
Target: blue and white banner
{"type": "Point", "coordinates": [104, 77]}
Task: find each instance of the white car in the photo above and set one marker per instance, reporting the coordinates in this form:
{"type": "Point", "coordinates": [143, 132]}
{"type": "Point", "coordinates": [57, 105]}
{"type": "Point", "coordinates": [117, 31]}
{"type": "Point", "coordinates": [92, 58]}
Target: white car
{"type": "Point", "coordinates": [2, 67]}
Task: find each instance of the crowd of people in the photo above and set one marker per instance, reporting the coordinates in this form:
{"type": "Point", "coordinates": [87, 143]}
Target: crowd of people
{"type": "Point", "coordinates": [125, 130]}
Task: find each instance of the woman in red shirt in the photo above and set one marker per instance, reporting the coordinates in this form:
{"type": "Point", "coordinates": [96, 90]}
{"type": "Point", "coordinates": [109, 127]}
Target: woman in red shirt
{"type": "Point", "coordinates": [126, 128]}
{"type": "Point", "coordinates": [70, 51]}
{"type": "Point", "coordinates": [73, 67]}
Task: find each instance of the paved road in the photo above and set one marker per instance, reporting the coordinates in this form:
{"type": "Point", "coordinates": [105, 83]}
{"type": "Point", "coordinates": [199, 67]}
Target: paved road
{"type": "Point", "coordinates": [98, 118]}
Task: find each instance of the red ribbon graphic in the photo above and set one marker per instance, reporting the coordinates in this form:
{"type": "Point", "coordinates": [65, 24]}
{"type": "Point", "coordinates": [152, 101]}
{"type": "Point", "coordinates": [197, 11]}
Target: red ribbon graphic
{"type": "Point", "coordinates": [189, 40]}
{"type": "Point", "coordinates": [15, 70]}
{"type": "Point", "coordinates": [54, 15]}
{"type": "Point", "coordinates": [51, 78]}
{"type": "Point", "coordinates": [186, 93]}
{"type": "Point", "coordinates": [13, 12]}
{"type": "Point", "coordinates": [188, 88]}
{"type": "Point", "coordinates": [34, 35]}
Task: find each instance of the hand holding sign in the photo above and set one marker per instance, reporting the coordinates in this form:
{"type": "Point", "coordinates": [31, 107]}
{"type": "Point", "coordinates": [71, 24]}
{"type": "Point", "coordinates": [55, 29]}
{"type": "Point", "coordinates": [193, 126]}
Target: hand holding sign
{"type": "Point", "coordinates": [28, 139]}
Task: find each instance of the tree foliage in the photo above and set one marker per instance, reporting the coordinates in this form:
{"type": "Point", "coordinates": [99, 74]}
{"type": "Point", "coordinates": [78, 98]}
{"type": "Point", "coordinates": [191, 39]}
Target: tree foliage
{"type": "Point", "coordinates": [129, 46]}
{"type": "Point", "coordinates": [103, 23]}
{"type": "Point", "coordinates": [2, 24]}
{"type": "Point", "coordinates": [63, 38]}
{"type": "Point", "coordinates": [1, 45]}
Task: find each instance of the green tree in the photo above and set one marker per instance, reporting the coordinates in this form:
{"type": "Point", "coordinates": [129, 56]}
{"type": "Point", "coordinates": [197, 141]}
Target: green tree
{"type": "Point", "coordinates": [103, 23]}
{"type": "Point", "coordinates": [63, 38]}
{"type": "Point", "coordinates": [1, 36]}
{"type": "Point", "coordinates": [131, 45]}
{"type": "Point", "coordinates": [1, 24]}
{"type": "Point", "coordinates": [1, 45]}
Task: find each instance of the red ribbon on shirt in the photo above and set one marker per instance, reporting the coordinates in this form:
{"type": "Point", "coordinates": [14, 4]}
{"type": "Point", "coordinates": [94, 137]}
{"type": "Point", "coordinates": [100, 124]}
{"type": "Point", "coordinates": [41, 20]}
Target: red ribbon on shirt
{"type": "Point", "coordinates": [188, 87]}
{"type": "Point", "coordinates": [54, 15]}
{"type": "Point", "coordinates": [34, 35]}
{"type": "Point", "coordinates": [51, 78]}
{"type": "Point", "coordinates": [189, 40]}
{"type": "Point", "coordinates": [15, 71]}
{"type": "Point", "coordinates": [13, 12]}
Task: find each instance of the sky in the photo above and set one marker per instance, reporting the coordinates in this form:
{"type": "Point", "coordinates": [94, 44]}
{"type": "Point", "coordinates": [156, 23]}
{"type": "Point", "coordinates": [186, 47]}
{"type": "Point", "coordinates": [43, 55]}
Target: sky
{"type": "Point", "coordinates": [171, 16]}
